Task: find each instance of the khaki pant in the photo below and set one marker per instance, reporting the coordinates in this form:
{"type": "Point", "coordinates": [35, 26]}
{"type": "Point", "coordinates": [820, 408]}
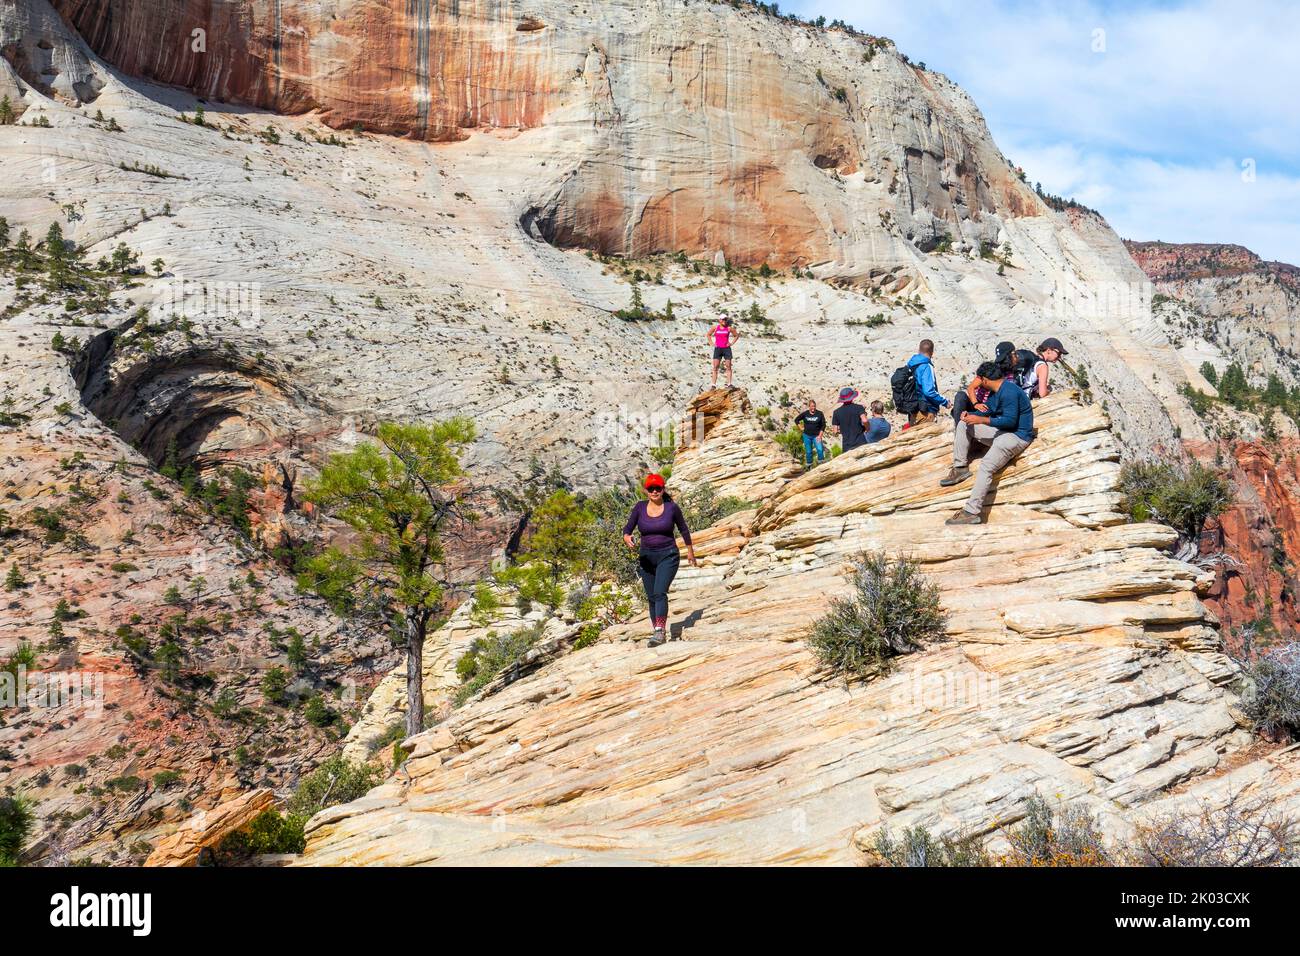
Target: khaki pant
{"type": "Point", "coordinates": [1003, 449]}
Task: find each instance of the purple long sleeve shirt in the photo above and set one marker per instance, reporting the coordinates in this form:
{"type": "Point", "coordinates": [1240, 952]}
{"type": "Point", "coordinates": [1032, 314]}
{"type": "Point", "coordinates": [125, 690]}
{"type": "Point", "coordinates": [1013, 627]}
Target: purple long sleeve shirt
{"type": "Point", "coordinates": [657, 533]}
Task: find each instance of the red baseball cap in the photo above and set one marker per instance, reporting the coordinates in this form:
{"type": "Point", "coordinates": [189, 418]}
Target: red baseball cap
{"type": "Point", "coordinates": [654, 480]}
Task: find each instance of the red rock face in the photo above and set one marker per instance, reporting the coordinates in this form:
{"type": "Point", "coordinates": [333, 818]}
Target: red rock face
{"type": "Point", "coordinates": [407, 67]}
{"type": "Point", "coordinates": [1261, 536]}
{"type": "Point", "coordinates": [1167, 262]}
{"type": "Point", "coordinates": [733, 131]}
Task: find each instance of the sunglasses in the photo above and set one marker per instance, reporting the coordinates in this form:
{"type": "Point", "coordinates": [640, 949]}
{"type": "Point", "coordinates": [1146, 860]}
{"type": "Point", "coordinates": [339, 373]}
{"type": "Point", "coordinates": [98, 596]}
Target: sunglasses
{"type": "Point", "coordinates": [655, 489]}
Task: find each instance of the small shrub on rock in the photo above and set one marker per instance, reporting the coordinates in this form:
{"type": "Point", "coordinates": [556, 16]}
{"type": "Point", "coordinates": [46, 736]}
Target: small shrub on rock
{"type": "Point", "coordinates": [1271, 691]}
{"type": "Point", "coordinates": [893, 610]}
{"type": "Point", "coordinates": [1183, 498]}
{"type": "Point", "coordinates": [1061, 835]}
{"type": "Point", "coordinates": [16, 821]}
{"type": "Point", "coordinates": [335, 781]}
{"type": "Point", "coordinates": [1239, 833]}
{"type": "Point", "coordinates": [916, 847]}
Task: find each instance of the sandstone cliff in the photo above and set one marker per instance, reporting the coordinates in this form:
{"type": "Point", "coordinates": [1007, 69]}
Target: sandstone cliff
{"type": "Point", "coordinates": [1229, 305]}
{"type": "Point", "coordinates": [1080, 663]}
{"type": "Point", "coordinates": [1255, 544]}
{"type": "Point", "coordinates": [312, 284]}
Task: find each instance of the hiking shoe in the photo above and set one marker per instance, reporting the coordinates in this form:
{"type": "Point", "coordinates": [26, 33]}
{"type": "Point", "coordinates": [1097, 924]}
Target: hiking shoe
{"type": "Point", "coordinates": [955, 476]}
{"type": "Point", "coordinates": [964, 517]}
{"type": "Point", "coordinates": [658, 637]}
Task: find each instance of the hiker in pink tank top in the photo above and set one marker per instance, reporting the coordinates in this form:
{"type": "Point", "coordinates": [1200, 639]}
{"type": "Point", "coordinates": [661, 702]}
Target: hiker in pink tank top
{"type": "Point", "coordinates": [722, 336]}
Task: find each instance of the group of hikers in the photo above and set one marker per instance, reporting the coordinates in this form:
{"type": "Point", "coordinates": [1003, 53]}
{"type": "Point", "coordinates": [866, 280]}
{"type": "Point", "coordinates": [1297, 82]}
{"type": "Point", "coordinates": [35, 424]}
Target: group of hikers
{"type": "Point", "coordinates": [995, 410]}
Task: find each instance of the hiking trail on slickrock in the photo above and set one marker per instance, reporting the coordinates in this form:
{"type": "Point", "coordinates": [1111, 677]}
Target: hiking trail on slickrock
{"type": "Point", "coordinates": [1079, 663]}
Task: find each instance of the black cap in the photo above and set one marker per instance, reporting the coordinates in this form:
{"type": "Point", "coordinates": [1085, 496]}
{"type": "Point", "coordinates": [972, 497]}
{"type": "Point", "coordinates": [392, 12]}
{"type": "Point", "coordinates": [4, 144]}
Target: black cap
{"type": "Point", "coordinates": [1053, 344]}
{"type": "Point", "coordinates": [1003, 350]}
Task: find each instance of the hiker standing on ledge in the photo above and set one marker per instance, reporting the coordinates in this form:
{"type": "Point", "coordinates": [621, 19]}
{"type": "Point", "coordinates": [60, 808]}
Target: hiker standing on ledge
{"type": "Point", "coordinates": [658, 560]}
{"type": "Point", "coordinates": [722, 336]}
{"type": "Point", "coordinates": [850, 420]}
{"type": "Point", "coordinates": [1007, 428]}
{"type": "Point", "coordinates": [916, 393]}
{"type": "Point", "coordinates": [814, 423]}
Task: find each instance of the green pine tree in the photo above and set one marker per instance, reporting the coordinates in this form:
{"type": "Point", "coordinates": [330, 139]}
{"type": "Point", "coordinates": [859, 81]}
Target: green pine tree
{"type": "Point", "coordinates": [399, 496]}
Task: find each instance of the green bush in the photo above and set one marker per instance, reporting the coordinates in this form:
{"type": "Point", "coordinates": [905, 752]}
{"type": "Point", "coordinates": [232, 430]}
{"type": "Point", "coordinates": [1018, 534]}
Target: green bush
{"type": "Point", "coordinates": [917, 847]}
{"type": "Point", "coordinates": [270, 832]}
{"type": "Point", "coordinates": [274, 684]}
{"type": "Point", "coordinates": [16, 822]}
{"type": "Point", "coordinates": [1183, 498]}
{"type": "Point", "coordinates": [893, 610]}
{"type": "Point", "coordinates": [490, 656]}
{"type": "Point", "coordinates": [335, 781]}
{"type": "Point", "coordinates": [1063, 835]}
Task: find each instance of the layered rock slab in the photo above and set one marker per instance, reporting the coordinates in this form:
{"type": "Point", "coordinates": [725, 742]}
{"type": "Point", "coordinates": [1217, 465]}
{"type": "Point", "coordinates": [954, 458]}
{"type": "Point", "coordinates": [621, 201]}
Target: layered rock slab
{"type": "Point", "coordinates": [1079, 663]}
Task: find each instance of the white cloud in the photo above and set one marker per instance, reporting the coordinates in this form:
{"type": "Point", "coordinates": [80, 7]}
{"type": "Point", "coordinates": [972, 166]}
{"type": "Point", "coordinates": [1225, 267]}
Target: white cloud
{"type": "Point", "coordinates": [1152, 130]}
{"type": "Point", "coordinates": [1143, 198]}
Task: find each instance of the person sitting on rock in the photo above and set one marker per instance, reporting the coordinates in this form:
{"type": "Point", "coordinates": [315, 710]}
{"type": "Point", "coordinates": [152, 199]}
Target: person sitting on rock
{"type": "Point", "coordinates": [850, 420]}
{"type": "Point", "coordinates": [657, 521]}
{"type": "Point", "coordinates": [878, 427]}
{"type": "Point", "coordinates": [1032, 369]}
{"type": "Point", "coordinates": [723, 336]}
{"type": "Point", "coordinates": [1007, 428]}
{"type": "Point", "coordinates": [975, 397]}
{"type": "Point", "coordinates": [814, 423]}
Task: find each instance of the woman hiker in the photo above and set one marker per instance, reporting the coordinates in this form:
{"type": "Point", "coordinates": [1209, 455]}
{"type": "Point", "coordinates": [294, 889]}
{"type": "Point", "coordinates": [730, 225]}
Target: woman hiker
{"type": "Point", "coordinates": [1033, 369]}
{"type": "Point", "coordinates": [722, 336]}
{"type": "Point", "coordinates": [657, 519]}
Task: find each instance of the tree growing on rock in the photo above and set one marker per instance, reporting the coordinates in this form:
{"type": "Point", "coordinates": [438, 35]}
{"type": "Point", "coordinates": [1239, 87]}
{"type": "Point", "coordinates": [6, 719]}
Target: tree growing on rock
{"type": "Point", "coordinates": [556, 549]}
{"type": "Point", "coordinates": [400, 495]}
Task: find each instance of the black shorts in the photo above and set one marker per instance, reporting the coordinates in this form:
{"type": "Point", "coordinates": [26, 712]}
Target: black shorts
{"type": "Point", "coordinates": [722, 352]}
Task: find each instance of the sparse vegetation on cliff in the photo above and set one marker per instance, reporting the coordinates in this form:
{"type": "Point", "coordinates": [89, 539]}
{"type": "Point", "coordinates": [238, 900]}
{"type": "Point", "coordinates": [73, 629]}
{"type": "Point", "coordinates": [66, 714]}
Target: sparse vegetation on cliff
{"type": "Point", "coordinates": [1271, 691]}
{"type": "Point", "coordinates": [893, 610]}
{"type": "Point", "coordinates": [1238, 833]}
{"type": "Point", "coordinates": [1182, 497]}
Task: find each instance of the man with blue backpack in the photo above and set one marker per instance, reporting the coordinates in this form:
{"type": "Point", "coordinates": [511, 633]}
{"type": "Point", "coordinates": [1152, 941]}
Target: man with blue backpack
{"type": "Point", "coordinates": [916, 393]}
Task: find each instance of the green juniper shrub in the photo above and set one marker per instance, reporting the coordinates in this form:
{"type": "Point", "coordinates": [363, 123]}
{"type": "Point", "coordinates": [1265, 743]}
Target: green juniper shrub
{"type": "Point", "coordinates": [892, 610]}
{"type": "Point", "coordinates": [916, 847]}
{"type": "Point", "coordinates": [318, 713]}
{"type": "Point", "coordinates": [492, 655]}
{"type": "Point", "coordinates": [1182, 497]}
{"type": "Point", "coordinates": [337, 780]}
{"type": "Point", "coordinates": [275, 683]}
{"type": "Point", "coordinates": [16, 823]}
{"type": "Point", "coordinates": [269, 832]}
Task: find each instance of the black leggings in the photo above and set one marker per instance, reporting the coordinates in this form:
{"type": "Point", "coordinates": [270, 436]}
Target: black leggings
{"type": "Point", "coordinates": [961, 403]}
{"type": "Point", "coordinates": [657, 570]}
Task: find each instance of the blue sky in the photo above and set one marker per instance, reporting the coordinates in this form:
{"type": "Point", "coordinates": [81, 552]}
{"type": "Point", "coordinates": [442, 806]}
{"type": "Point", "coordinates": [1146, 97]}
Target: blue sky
{"type": "Point", "coordinates": [1157, 121]}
